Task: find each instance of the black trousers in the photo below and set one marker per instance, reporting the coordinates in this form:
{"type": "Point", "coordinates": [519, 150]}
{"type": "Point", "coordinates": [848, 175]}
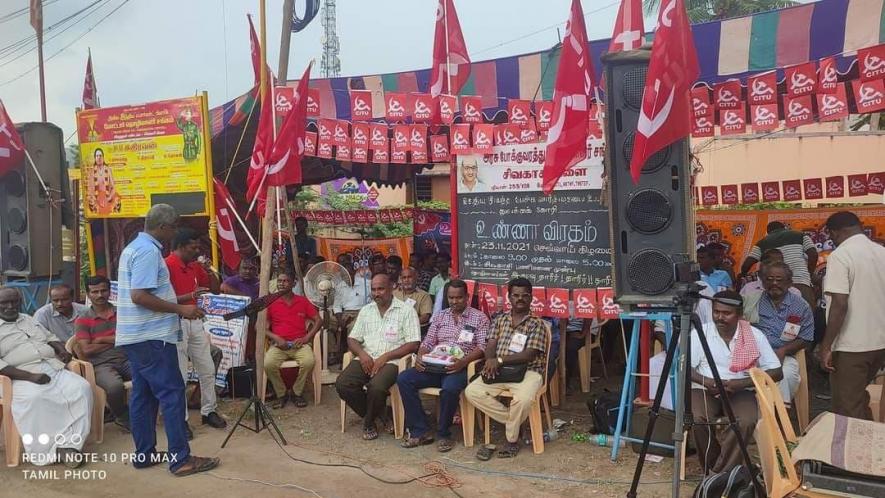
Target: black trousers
{"type": "Point", "coordinates": [367, 396]}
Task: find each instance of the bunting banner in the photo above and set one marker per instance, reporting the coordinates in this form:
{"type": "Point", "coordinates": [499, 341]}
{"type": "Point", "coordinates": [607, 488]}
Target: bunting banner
{"type": "Point", "coordinates": [809, 189]}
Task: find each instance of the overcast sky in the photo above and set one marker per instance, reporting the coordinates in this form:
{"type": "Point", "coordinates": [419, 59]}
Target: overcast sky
{"type": "Point", "coordinates": [159, 49]}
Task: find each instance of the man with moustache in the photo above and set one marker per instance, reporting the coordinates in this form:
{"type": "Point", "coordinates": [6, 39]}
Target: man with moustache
{"type": "Point", "coordinates": [385, 330]}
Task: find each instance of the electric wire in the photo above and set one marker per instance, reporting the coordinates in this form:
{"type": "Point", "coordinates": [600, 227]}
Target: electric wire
{"type": "Point", "coordinates": [22, 11]}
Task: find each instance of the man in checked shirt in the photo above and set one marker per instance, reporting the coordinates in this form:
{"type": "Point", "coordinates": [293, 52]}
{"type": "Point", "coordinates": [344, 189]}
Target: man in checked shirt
{"type": "Point", "coordinates": [459, 326]}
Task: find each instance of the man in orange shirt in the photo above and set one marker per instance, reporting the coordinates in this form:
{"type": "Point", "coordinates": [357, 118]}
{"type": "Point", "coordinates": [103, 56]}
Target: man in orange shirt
{"type": "Point", "coordinates": [290, 336]}
{"type": "Point", "coordinates": [190, 279]}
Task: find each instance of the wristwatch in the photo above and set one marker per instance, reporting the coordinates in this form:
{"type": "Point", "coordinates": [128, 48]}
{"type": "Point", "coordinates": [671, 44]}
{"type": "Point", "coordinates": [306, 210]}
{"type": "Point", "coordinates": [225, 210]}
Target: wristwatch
{"type": "Point", "coordinates": [500, 361]}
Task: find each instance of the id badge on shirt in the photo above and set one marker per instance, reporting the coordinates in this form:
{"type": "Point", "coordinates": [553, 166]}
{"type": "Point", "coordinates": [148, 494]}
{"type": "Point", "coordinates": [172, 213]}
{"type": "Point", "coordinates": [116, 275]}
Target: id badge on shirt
{"type": "Point", "coordinates": [390, 334]}
{"type": "Point", "coordinates": [517, 343]}
{"type": "Point", "coordinates": [466, 335]}
{"type": "Point", "coordinates": [791, 330]}
{"type": "Point", "coordinates": [410, 302]}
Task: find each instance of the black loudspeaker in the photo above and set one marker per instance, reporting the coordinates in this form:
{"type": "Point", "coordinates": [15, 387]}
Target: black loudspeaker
{"type": "Point", "coordinates": [652, 222]}
{"type": "Point", "coordinates": [30, 227]}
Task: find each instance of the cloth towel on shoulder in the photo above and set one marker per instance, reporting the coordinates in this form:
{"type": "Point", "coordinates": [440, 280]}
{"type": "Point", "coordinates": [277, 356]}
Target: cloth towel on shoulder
{"type": "Point", "coordinates": [746, 351]}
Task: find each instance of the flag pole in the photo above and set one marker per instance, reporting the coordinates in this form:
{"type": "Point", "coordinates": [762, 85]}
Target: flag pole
{"type": "Point", "coordinates": [266, 224]}
{"type": "Point", "coordinates": [210, 184]}
{"type": "Point", "coordinates": [242, 224]}
{"type": "Point", "coordinates": [448, 62]}
{"type": "Point", "coordinates": [40, 65]}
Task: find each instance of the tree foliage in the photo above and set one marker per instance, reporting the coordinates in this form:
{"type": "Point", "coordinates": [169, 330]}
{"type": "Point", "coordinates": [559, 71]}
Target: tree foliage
{"type": "Point", "coordinates": [714, 10]}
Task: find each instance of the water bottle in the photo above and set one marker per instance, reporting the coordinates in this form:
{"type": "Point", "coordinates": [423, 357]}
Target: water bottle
{"type": "Point", "coordinates": [606, 440]}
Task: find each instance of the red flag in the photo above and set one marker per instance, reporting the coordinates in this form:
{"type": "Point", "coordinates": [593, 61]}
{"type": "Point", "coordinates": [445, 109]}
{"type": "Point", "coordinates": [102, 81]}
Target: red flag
{"type": "Point", "coordinates": [460, 139]}
{"type": "Point", "coordinates": [833, 106]}
{"type": "Point", "coordinates": [439, 148]}
{"type": "Point", "coordinates": [224, 222]}
{"type": "Point", "coordinates": [255, 47]}
{"type": "Point", "coordinates": [488, 298]}
{"type": "Point", "coordinates": [360, 105]}
{"type": "Point", "coordinates": [762, 89]}
{"type": "Point", "coordinates": [418, 143]}
{"type": "Point", "coordinates": [360, 154]}
{"type": "Point", "coordinates": [543, 114]}
{"type": "Point", "coordinates": [264, 139]}
{"type": "Point", "coordinates": [12, 150]}
{"type": "Point", "coordinates": [90, 91]}
{"type": "Point", "coordinates": [451, 63]}
{"type": "Point", "coordinates": [423, 108]}
{"type": "Point", "coordinates": [539, 301]}
{"type": "Point", "coordinates": [629, 31]}
{"type": "Point", "coordinates": [519, 111]}
{"type": "Point", "coordinates": [801, 79]}
{"type": "Point", "coordinates": [313, 102]}
{"type": "Point", "coordinates": [750, 193]}
{"type": "Point", "coordinates": [813, 188]}
{"type": "Point", "coordinates": [764, 117]}
{"type": "Point", "coordinates": [528, 135]}
{"type": "Point", "coordinates": [324, 150]}
{"type": "Point", "coordinates": [827, 76]}
{"type": "Point", "coordinates": [482, 137]}
{"type": "Point", "coordinates": [399, 157]}
{"type": "Point", "coordinates": [673, 68]}
{"type": "Point", "coordinates": [835, 186]}
{"type": "Point", "coordinates": [400, 138]}
{"type": "Point", "coordinates": [733, 121]}
{"type": "Point", "coordinates": [378, 136]}
{"type": "Point", "coordinates": [361, 134]}
{"type": "Point", "coordinates": [395, 106]}
{"type": "Point", "coordinates": [557, 303]}
{"type": "Point", "coordinates": [728, 94]}
{"type": "Point", "coordinates": [702, 126]}
{"type": "Point", "coordinates": [381, 155]}
{"type": "Point", "coordinates": [792, 190]}
{"type": "Point", "coordinates": [771, 191]}
{"type": "Point", "coordinates": [608, 309]}
{"type": "Point", "coordinates": [325, 127]}
{"type": "Point", "coordinates": [342, 152]}
{"type": "Point", "coordinates": [310, 143]}
{"type": "Point", "coordinates": [869, 96]}
{"type": "Point", "coordinates": [857, 185]}
{"type": "Point", "coordinates": [341, 133]}
{"type": "Point", "coordinates": [730, 194]}
{"type": "Point", "coordinates": [700, 102]}
{"type": "Point", "coordinates": [506, 134]}
{"type": "Point", "coordinates": [585, 303]}
{"type": "Point", "coordinates": [471, 109]}
{"type": "Point", "coordinates": [448, 104]}
{"type": "Point", "coordinates": [283, 100]}
{"type": "Point", "coordinates": [709, 196]}
{"type": "Point", "coordinates": [872, 63]}
{"type": "Point", "coordinates": [288, 149]}
{"type": "Point", "coordinates": [876, 183]}
{"type": "Point", "coordinates": [567, 139]}
{"type": "Point", "coordinates": [37, 16]}
{"type": "Point", "coordinates": [797, 111]}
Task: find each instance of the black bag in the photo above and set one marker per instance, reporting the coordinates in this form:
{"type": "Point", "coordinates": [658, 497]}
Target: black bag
{"type": "Point", "coordinates": [240, 381]}
{"type": "Point", "coordinates": [434, 368]}
{"type": "Point", "coordinates": [604, 410]}
{"type": "Point", "coordinates": [508, 373]}
{"type": "Point", "coordinates": [736, 483]}
{"type": "Point", "coordinates": [663, 432]}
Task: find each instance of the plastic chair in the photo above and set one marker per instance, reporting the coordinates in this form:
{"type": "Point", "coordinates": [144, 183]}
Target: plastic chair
{"type": "Point", "coordinates": [535, 421]}
{"type": "Point", "coordinates": [316, 380]}
{"type": "Point", "coordinates": [773, 432]}
{"type": "Point", "coordinates": [584, 359]}
{"type": "Point", "coordinates": [876, 391]}
{"type": "Point", "coordinates": [12, 438]}
{"type": "Point", "coordinates": [801, 398]}
{"type": "Point", "coordinates": [99, 396]}
{"type": "Point", "coordinates": [396, 403]}
{"type": "Point", "coordinates": [468, 412]}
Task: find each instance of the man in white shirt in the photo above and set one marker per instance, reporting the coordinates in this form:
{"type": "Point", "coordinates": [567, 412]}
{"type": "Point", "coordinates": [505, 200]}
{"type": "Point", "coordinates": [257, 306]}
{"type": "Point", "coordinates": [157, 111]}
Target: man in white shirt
{"type": "Point", "coordinates": [853, 348]}
{"type": "Point", "coordinates": [59, 314]}
{"type": "Point", "coordinates": [736, 347]}
{"type": "Point", "coordinates": [350, 299]}
{"type": "Point", "coordinates": [385, 331]}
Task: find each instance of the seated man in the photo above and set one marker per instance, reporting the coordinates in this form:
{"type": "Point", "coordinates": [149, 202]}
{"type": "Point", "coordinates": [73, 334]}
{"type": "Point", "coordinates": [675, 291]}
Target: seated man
{"type": "Point", "coordinates": [515, 338]}
{"type": "Point", "coordinates": [349, 299]}
{"type": "Point", "coordinates": [787, 322]}
{"type": "Point", "coordinates": [409, 293]}
{"type": "Point", "coordinates": [59, 314]}
{"type": "Point", "coordinates": [753, 283]}
{"type": "Point", "coordinates": [458, 326]}
{"type": "Point", "coordinates": [96, 332]}
{"type": "Point", "coordinates": [288, 318]}
{"type": "Point", "coordinates": [385, 330]}
{"type": "Point", "coordinates": [736, 347]}
{"type": "Point", "coordinates": [715, 278]}
{"type": "Point", "coordinates": [394, 269]}
{"type": "Point", "coordinates": [244, 283]}
{"type": "Point", "coordinates": [46, 398]}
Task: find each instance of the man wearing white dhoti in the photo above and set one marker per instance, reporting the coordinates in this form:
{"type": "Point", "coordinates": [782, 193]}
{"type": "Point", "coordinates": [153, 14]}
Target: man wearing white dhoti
{"type": "Point", "coordinates": [51, 406]}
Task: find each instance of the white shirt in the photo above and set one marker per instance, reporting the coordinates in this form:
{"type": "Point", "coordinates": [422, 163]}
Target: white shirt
{"type": "Point", "coordinates": [857, 268]}
{"type": "Point", "coordinates": [722, 354]}
{"type": "Point", "coordinates": [353, 298]}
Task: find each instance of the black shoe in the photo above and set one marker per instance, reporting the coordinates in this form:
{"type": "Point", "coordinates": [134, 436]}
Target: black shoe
{"type": "Point", "coordinates": [214, 420]}
{"type": "Point", "coordinates": [190, 433]}
{"type": "Point", "coordinates": [123, 424]}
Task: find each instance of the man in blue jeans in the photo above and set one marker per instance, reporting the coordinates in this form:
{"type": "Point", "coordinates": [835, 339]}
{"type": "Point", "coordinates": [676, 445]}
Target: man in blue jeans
{"type": "Point", "coordinates": [456, 326]}
{"type": "Point", "coordinates": [148, 329]}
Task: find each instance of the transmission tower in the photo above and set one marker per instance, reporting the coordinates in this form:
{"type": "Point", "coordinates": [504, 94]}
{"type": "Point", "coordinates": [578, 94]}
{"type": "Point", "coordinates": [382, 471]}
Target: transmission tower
{"type": "Point", "coordinates": [330, 65]}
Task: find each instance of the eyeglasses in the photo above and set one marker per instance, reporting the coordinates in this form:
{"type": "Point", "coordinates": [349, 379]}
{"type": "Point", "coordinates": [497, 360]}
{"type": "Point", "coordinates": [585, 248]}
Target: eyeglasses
{"type": "Point", "coordinates": [469, 166]}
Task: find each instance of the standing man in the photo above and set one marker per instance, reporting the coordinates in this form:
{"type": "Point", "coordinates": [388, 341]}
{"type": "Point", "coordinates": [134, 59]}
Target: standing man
{"type": "Point", "coordinates": [853, 349]}
{"type": "Point", "coordinates": [516, 338]}
{"type": "Point", "coordinates": [413, 296]}
{"type": "Point", "coordinates": [59, 314]}
{"type": "Point", "coordinates": [288, 318]}
{"type": "Point", "coordinates": [459, 326]}
{"type": "Point", "coordinates": [385, 331]}
{"type": "Point", "coordinates": [736, 347]}
{"type": "Point", "coordinates": [191, 279]}
{"type": "Point", "coordinates": [787, 322]}
{"type": "Point", "coordinates": [304, 244]}
{"type": "Point", "coordinates": [799, 253]}
{"type": "Point", "coordinates": [443, 265]}
{"type": "Point", "coordinates": [96, 333]}
{"type": "Point", "coordinates": [149, 329]}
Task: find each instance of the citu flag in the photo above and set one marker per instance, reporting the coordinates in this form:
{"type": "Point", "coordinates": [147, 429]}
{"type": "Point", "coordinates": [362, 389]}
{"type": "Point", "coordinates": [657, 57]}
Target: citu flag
{"type": "Point", "coordinates": [629, 30]}
{"type": "Point", "coordinates": [12, 150]}
{"type": "Point", "coordinates": [284, 163]}
{"type": "Point", "coordinates": [90, 91]}
{"type": "Point", "coordinates": [450, 58]}
{"type": "Point", "coordinates": [264, 136]}
{"type": "Point", "coordinates": [567, 138]}
{"type": "Point", "coordinates": [255, 47]}
{"type": "Point", "coordinates": [665, 116]}
{"type": "Point", "coordinates": [224, 221]}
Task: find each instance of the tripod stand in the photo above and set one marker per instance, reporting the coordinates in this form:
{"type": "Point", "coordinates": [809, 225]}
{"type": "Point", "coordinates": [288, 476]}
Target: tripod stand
{"type": "Point", "coordinates": [688, 296]}
{"type": "Point", "coordinates": [263, 418]}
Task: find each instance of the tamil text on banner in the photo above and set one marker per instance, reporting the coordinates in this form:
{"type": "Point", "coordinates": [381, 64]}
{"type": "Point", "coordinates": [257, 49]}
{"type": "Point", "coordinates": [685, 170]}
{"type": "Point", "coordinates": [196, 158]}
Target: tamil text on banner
{"type": "Point", "coordinates": [507, 227]}
{"type": "Point", "coordinates": [227, 335]}
{"type": "Point", "coordinates": [136, 156]}
{"type": "Point", "coordinates": [363, 250]}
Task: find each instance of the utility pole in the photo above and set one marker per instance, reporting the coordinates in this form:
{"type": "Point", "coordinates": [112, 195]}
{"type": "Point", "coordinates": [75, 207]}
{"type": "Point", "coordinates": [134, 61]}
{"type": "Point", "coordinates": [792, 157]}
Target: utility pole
{"type": "Point", "coordinates": [285, 39]}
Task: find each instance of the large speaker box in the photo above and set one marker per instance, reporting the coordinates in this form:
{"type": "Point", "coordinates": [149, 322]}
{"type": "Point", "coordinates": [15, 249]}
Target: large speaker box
{"type": "Point", "coordinates": [30, 227]}
{"type": "Point", "coordinates": [652, 222]}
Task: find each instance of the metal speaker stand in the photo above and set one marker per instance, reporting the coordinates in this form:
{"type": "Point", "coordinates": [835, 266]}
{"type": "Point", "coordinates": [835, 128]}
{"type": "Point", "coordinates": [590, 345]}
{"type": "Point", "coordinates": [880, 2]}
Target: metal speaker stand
{"type": "Point", "coordinates": [263, 417]}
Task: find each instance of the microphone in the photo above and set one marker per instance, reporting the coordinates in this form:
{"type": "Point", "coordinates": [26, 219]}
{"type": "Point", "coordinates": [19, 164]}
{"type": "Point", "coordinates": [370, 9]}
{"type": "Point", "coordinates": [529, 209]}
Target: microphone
{"type": "Point", "coordinates": [254, 307]}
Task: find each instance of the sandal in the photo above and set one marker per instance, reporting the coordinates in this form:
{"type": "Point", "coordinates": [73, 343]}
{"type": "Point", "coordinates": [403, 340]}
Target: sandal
{"type": "Point", "coordinates": [279, 402]}
{"type": "Point", "coordinates": [445, 445]}
{"type": "Point", "coordinates": [370, 433]}
{"type": "Point", "coordinates": [414, 442]}
{"type": "Point", "coordinates": [510, 450]}
{"type": "Point", "coordinates": [299, 401]}
{"type": "Point", "coordinates": [152, 459]}
{"type": "Point", "coordinates": [195, 465]}
{"type": "Point", "coordinates": [485, 452]}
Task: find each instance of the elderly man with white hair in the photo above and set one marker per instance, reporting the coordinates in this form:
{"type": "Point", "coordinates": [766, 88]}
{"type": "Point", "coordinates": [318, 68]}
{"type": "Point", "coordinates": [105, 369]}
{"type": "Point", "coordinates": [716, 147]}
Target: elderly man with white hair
{"type": "Point", "coordinates": [51, 406]}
